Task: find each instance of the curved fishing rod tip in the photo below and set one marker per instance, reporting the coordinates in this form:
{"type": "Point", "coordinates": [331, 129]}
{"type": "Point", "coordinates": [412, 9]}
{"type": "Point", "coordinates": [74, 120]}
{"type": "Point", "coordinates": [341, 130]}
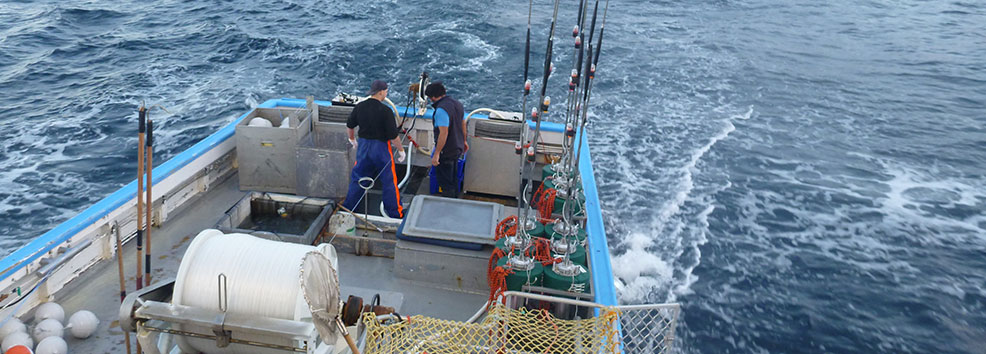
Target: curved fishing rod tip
{"type": "Point", "coordinates": [161, 107]}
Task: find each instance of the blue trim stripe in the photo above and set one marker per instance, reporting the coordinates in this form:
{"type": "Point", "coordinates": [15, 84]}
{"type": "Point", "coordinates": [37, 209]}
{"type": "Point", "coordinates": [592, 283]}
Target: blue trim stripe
{"type": "Point", "coordinates": [602, 268]}
{"type": "Point", "coordinates": [64, 231]}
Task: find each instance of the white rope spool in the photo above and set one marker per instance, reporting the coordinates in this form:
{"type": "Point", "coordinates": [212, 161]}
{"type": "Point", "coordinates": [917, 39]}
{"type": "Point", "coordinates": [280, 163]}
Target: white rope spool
{"type": "Point", "coordinates": [261, 279]}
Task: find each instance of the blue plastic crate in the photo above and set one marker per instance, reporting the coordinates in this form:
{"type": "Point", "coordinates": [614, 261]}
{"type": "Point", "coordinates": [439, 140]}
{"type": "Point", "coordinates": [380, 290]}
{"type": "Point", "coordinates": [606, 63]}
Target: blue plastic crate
{"type": "Point", "coordinates": [460, 174]}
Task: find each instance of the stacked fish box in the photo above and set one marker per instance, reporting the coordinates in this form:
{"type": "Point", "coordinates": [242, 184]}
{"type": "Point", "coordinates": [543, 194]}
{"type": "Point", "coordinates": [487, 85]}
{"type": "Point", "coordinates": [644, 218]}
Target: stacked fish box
{"type": "Point", "coordinates": [325, 156]}
{"type": "Point", "coordinates": [266, 144]}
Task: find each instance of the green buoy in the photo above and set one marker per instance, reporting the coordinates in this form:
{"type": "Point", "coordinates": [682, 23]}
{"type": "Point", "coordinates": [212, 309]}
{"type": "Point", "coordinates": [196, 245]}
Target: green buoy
{"type": "Point", "coordinates": [548, 171]}
{"type": "Point", "coordinates": [577, 256]}
{"type": "Point", "coordinates": [567, 277]}
{"type": "Point", "coordinates": [560, 201]}
{"type": "Point", "coordinates": [502, 245]}
{"type": "Point", "coordinates": [537, 230]}
{"type": "Point", "coordinates": [529, 273]}
{"type": "Point", "coordinates": [557, 230]}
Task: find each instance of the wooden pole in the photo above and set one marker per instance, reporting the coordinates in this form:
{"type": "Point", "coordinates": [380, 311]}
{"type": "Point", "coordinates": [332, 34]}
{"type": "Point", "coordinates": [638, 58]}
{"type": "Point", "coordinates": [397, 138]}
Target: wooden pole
{"type": "Point", "coordinates": [150, 184]}
{"type": "Point", "coordinates": [123, 287]}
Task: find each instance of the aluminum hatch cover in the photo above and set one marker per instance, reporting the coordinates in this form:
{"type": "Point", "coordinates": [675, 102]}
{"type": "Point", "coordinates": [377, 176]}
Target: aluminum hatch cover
{"type": "Point", "coordinates": [450, 219]}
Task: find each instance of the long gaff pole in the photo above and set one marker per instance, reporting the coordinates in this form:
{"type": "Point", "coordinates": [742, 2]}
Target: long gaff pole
{"type": "Point", "coordinates": [141, 128]}
{"type": "Point", "coordinates": [150, 184]}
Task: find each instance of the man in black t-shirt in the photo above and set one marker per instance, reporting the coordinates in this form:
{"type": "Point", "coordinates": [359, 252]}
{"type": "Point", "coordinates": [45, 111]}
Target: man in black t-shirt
{"type": "Point", "coordinates": [374, 150]}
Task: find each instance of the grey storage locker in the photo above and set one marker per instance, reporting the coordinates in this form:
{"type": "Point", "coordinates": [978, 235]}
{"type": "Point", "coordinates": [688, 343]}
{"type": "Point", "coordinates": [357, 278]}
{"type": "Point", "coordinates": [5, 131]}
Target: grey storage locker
{"type": "Point", "coordinates": [267, 156]}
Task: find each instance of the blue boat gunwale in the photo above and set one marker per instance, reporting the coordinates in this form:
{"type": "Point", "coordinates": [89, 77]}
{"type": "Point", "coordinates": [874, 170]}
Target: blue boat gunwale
{"type": "Point", "coordinates": [602, 274]}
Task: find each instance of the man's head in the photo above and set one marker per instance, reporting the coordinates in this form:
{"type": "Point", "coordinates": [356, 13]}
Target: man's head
{"type": "Point", "coordinates": [378, 89]}
{"type": "Point", "coordinates": [435, 91]}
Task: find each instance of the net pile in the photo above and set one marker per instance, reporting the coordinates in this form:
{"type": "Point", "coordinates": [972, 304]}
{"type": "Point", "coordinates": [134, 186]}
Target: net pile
{"type": "Point", "coordinates": [503, 330]}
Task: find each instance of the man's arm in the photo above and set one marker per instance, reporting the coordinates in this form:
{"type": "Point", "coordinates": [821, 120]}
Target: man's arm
{"type": "Point", "coordinates": [442, 137]}
{"type": "Point", "coordinates": [465, 135]}
{"type": "Point", "coordinates": [441, 120]}
{"type": "Point", "coordinates": [351, 124]}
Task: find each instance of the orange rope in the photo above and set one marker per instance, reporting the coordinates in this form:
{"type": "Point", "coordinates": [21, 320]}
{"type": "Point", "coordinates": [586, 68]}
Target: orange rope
{"type": "Point", "coordinates": [506, 227]}
{"type": "Point", "coordinates": [547, 206]}
{"type": "Point", "coordinates": [544, 201]}
{"type": "Point", "coordinates": [542, 252]}
{"type": "Point", "coordinates": [548, 318]}
{"type": "Point", "coordinates": [496, 276]}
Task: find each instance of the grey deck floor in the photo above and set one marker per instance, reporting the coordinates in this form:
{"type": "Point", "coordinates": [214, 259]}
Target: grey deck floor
{"type": "Point", "coordinates": [98, 289]}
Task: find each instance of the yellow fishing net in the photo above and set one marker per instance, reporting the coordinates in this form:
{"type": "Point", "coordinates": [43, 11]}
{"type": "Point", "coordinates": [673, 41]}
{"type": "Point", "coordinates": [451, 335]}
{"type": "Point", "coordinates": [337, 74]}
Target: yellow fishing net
{"type": "Point", "coordinates": [502, 331]}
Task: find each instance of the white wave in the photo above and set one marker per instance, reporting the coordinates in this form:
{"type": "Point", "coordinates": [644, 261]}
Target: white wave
{"type": "Point", "coordinates": [639, 269]}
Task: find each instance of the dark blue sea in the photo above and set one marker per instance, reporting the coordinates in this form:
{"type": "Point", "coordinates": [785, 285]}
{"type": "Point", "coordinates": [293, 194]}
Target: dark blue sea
{"type": "Point", "coordinates": [802, 176]}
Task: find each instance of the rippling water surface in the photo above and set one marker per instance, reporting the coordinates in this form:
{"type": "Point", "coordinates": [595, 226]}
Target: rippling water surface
{"type": "Point", "coordinates": [801, 176]}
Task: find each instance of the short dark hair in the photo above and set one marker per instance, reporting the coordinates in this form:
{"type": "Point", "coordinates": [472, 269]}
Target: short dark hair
{"type": "Point", "coordinates": [435, 89]}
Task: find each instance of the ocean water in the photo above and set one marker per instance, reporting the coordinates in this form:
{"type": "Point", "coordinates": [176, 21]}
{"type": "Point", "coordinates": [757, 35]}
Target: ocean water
{"type": "Point", "coordinates": [801, 176]}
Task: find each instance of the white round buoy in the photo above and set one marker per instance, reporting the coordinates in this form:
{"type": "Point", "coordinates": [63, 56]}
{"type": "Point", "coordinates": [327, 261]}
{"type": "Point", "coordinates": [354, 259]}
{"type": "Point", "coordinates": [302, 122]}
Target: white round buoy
{"type": "Point", "coordinates": [12, 326]}
{"type": "Point", "coordinates": [49, 310]}
{"type": "Point", "coordinates": [260, 122]}
{"type": "Point", "coordinates": [15, 339]}
{"type": "Point", "coordinates": [286, 123]}
{"type": "Point", "coordinates": [82, 324]}
{"type": "Point", "coordinates": [52, 345]}
{"type": "Point", "coordinates": [48, 328]}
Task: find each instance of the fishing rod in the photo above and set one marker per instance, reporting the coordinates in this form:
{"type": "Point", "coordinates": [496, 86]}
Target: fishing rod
{"type": "Point", "coordinates": [574, 88]}
{"type": "Point", "coordinates": [523, 131]}
{"type": "Point", "coordinates": [583, 89]}
{"type": "Point", "coordinates": [573, 187]}
{"type": "Point", "coordinates": [537, 115]}
{"type": "Point", "coordinates": [150, 184]}
{"type": "Point", "coordinates": [141, 129]}
{"type": "Point", "coordinates": [575, 66]}
{"type": "Point", "coordinates": [592, 76]}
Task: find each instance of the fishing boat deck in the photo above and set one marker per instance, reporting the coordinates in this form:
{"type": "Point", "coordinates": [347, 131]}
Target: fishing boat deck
{"type": "Point", "coordinates": [97, 290]}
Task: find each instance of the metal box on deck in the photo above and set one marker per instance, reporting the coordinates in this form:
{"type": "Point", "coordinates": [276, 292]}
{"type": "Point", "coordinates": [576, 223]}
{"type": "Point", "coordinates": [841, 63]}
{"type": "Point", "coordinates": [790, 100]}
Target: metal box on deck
{"type": "Point", "coordinates": [325, 158]}
{"type": "Point", "coordinates": [325, 161]}
{"type": "Point", "coordinates": [305, 214]}
{"type": "Point", "coordinates": [457, 220]}
{"type": "Point", "coordinates": [267, 156]}
{"type": "Point", "coordinates": [450, 268]}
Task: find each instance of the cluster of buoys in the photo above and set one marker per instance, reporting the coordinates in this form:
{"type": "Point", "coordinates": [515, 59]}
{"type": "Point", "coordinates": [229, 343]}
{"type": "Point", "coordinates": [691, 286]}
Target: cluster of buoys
{"type": "Point", "coordinates": [47, 332]}
{"type": "Point", "coordinates": [266, 123]}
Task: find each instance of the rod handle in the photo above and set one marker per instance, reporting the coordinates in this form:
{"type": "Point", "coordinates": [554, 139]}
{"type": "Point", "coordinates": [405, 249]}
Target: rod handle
{"type": "Point", "coordinates": [141, 119]}
{"type": "Point", "coordinates": [150, 133]}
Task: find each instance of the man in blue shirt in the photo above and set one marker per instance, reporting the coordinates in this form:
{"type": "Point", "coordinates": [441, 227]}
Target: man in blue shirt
{"type": "Point", "coordinates": [450, 138]}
